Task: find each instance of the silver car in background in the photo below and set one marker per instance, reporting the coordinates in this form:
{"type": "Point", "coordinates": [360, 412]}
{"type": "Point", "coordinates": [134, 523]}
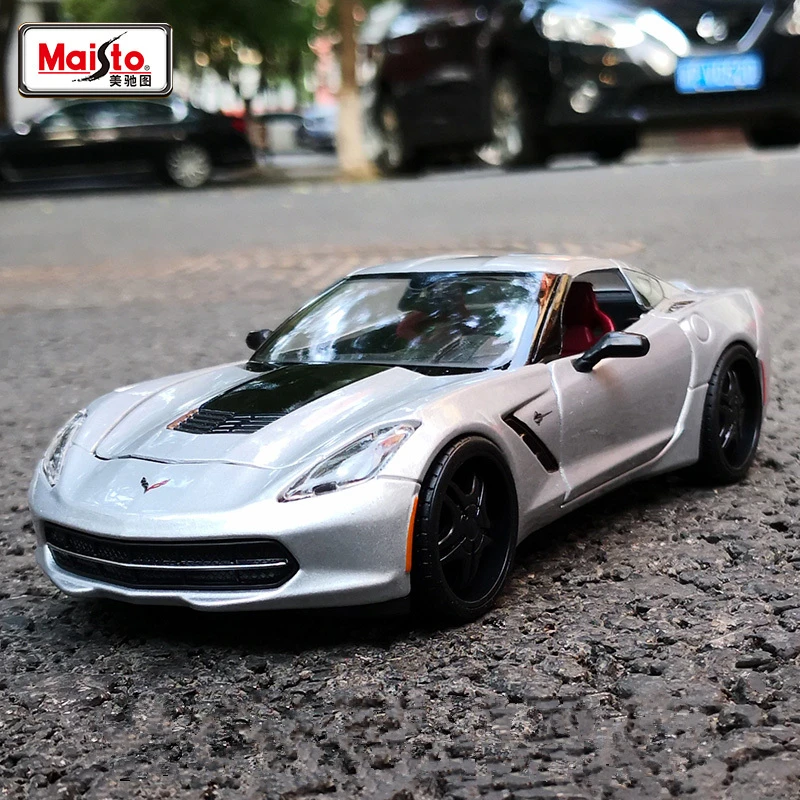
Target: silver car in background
{"type": "Point", "coordinates": [399, 435]}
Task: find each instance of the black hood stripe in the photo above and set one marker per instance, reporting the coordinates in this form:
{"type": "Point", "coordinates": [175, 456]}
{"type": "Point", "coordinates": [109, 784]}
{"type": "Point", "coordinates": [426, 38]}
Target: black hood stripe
{"type": "Point", "coordinates": [286, 388]}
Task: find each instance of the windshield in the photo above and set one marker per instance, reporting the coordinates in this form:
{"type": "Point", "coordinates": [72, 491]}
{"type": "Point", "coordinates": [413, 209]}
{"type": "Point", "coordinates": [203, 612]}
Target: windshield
{"type": "Point", "coordinates": [439, 319]}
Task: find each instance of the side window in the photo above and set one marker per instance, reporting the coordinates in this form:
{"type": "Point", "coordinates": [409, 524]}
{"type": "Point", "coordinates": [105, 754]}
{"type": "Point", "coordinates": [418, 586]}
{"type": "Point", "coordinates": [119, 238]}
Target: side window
{"type": "Point", "coordinates": [102, 116]}
{"type": "Point", "coordinates": [153, 113]}
{"type": "Point", "coordinates": [614, 296]}
{"type": "Point", "coordinates": [648, 289]}
{"type": "Point", "coordinates": [59, 121]}
{"type": "Point", "coordinates": [65, 123]}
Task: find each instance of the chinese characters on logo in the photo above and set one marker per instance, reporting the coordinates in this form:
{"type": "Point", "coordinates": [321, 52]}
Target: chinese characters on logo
{"type": "Point", "coordinates": [130, 80]}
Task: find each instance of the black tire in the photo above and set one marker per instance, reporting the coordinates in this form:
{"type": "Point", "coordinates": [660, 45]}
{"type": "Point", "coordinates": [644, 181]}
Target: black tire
{"type": "Point", "coordinates": [520, 137]}
{"type": "Point", "coordinates": [731, 418]}
{"type": "Point", "coordinates": [776, 135]}
{"type": "Point", "coordinates": [611, 149]}
{"type": "Point", "coordinates": [396, 156]}
{"type": "Point", "coordinates": [466, 532]}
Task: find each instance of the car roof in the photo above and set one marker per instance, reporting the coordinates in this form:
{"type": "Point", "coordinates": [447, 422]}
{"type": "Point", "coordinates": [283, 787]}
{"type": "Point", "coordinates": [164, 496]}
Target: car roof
{"type": "Point", "coordinates": [522, 263]}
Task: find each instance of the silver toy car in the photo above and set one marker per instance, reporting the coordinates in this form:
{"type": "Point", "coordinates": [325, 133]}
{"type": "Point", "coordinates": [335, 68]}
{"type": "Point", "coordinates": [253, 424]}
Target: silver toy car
{"type": "Point", "coordinates": [398, 436]}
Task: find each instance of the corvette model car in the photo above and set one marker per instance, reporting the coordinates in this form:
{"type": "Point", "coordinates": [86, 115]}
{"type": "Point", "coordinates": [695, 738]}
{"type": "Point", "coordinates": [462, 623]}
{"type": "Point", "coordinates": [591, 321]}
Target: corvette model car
{"type": "Point", "coordinates": [397, 436]}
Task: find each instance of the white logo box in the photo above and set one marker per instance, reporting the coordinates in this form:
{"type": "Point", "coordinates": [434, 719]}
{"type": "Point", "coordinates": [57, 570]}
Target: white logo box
{"type": "Point", "coordinates": [90, 60]}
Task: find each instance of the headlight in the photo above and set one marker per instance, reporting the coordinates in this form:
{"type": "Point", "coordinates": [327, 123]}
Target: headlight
{"type": "Point", "coordinates": [573, 25]}
{"type": "Point", "coordinates": [358, 461]}
{"type": "Point", "coordinates": [54, 455]}
{"type": "Point", "coordinates": [789, 23]}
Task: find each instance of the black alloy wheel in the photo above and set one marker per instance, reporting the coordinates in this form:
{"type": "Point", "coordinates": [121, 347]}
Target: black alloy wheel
{"type": "Point", "coordinates": [466, 532]}
{"type": "Point", "coordinates": [731, 418]}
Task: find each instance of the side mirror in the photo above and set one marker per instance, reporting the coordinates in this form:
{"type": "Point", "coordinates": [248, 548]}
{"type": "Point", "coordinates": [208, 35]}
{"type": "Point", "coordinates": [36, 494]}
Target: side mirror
{"type": "Point", "coordinates": [255, 339]}
{"type": "Point", "coordinates": [616, 344]}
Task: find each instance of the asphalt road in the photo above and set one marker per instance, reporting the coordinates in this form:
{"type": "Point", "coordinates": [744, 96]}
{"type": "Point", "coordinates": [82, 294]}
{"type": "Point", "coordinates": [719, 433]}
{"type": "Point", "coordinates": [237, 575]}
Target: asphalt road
{"type": "Point", "coordinates": [647, 646]}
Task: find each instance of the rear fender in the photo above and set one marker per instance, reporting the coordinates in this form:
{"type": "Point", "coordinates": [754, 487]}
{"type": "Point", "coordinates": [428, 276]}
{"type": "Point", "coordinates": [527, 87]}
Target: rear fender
{"type": "Point", "coordinates": [712, 323]}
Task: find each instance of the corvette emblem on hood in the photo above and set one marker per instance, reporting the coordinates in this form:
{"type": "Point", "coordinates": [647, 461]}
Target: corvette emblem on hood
{"type": "Point", "coordinates": [148, 487]}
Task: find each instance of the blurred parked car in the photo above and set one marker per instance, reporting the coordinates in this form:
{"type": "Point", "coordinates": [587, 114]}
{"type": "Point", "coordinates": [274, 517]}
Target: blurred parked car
{"type": "Point", "coordinates": [523, 79]}
{"type": "Point", "coordinates": [318, 131]}
{"type": "Point", "coordinates": [181, 143]}
{"type": "Point", "coordinates": [280, 130]}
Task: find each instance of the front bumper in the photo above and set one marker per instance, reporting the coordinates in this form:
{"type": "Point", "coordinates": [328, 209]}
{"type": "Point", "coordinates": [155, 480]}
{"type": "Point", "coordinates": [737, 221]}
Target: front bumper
{"type": "Point", "coordinates": [633, 94]}
{"type": "Point", "coordinates": [349, 546]}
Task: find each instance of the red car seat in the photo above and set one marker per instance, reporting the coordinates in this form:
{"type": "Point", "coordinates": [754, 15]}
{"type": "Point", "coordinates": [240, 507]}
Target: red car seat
{"type": "Point", "coordinates": [583, 321]}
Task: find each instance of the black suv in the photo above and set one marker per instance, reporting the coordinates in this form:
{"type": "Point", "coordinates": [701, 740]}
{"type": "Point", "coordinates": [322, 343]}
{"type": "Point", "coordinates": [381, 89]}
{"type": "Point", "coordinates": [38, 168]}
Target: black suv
{"type": "Point", "coordinates": [524, 79]}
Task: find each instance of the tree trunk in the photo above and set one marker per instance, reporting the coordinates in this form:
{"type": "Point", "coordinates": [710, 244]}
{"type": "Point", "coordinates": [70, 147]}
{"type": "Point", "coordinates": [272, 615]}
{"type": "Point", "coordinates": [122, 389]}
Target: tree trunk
{"type": "Point", "coordinates": [8, 14]}
{"type": "Point", "coordinates": [353, 162]}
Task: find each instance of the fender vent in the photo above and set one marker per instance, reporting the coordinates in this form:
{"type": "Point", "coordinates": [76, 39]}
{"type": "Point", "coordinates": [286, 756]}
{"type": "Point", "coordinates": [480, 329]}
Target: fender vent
{"type": "Point", "coordinates": [206, 420]}
{"type": "Point", "coordinates": [533, 443]}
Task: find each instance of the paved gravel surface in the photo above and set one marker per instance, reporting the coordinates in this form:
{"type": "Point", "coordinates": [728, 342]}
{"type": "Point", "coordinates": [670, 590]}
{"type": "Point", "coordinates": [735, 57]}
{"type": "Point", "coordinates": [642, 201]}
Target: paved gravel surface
{"type": "Point", "coordinates": [647, 647]}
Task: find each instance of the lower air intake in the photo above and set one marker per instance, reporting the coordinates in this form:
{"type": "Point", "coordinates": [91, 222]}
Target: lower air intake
{"type": "Point", "coordinates": [200, 565]}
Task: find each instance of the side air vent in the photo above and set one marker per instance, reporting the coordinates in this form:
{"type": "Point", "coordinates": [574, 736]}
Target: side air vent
{"type": "Point", "coordinates": [207, 420]}
{"type": "Point", "coordinates": [678, 305]}
{"type": "Point", "coordinates": [532, 442]}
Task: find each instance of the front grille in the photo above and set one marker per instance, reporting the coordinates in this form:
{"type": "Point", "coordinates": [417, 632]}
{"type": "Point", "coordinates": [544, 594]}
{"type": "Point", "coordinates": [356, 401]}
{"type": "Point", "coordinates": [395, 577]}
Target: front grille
{"type": "Point", "coordinates": [207, 420]}
{"type": "Point", "coordinates": [141, 564]}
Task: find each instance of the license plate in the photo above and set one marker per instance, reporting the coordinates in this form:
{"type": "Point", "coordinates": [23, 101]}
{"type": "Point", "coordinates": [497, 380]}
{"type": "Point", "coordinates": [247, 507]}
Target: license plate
{"type": "Point", "coordinates": [719, 74]}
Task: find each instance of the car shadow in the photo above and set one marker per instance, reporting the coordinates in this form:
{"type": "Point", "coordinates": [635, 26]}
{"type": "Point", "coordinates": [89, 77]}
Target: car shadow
{"type": "Point", "coordinates": [550, 541]}
{"type": "Point", "coordinates": [247, 632]}
{"type": "Point", "coordinates": [139, 183]}
{"type": "Point", "coordinates": [263, 632]}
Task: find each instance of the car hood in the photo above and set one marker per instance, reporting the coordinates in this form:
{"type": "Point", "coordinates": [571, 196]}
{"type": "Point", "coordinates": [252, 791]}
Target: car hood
{"type": "Point", "coordinates": [306, 409]}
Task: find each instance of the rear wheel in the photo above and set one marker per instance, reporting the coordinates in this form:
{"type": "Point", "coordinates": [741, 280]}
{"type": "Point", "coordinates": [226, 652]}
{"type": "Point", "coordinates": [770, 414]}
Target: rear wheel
{"type": "Point", "coordinates": [731, 418]}
{"type": "Point", "coordinates": [518, 131]}
{"type": "Point", "coordinates": [613, 148]}
{"type": "Point", "coordinates": [188, 165]}
{"type": "Point", "coordinates": [765, 137]}
{"type": "Point", "coordinates": [466, 532]}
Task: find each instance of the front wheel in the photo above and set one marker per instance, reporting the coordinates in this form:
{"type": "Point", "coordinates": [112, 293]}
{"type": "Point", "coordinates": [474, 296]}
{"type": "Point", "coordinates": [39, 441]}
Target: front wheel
{"type": "Point", "coordinates": [188, 165]}
{"type": "Point", "coordinates": [396, 156]}
{"type": "Point", "coordinates": [731, 418]}
{"type": "Point", "coordinates": [466, 532]}
{"type": "Point", "coordinates": [518, 133]}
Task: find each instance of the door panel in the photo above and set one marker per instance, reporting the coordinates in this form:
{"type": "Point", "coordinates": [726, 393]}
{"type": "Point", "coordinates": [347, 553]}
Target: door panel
{"type": "Point", "coordinates": [624, 412]}
{"type": "Point", "coordinates": [54, 146]}
{"type": "Point", "coordinates": [142, 131]}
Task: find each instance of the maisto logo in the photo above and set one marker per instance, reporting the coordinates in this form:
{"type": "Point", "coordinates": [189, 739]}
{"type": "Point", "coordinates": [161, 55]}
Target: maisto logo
{"type": "Point", "coordinates": [67, 60]}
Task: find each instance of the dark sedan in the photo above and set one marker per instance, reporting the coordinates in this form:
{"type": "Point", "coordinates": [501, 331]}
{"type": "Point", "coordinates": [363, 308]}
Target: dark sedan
{"type": "Point", "coordinates": [318, 131]}
{"type": "Point", "coordinates": [84, 138]}
{"type": "Point", "coordinates": [524, 79]}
